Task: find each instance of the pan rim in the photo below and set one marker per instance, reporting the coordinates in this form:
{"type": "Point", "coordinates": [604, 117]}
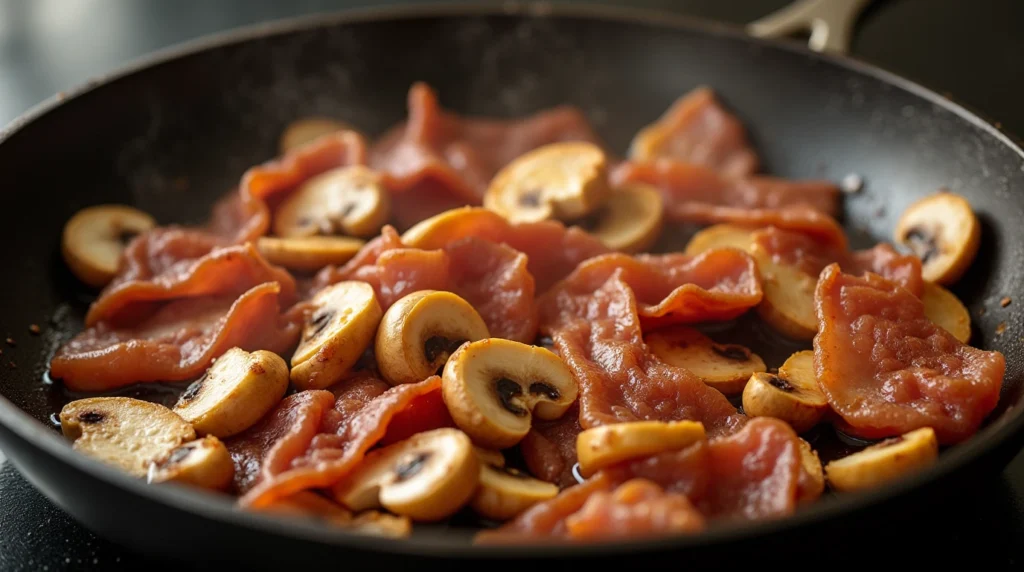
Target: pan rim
{"type": "Point", "coordinates": [1002, 433]}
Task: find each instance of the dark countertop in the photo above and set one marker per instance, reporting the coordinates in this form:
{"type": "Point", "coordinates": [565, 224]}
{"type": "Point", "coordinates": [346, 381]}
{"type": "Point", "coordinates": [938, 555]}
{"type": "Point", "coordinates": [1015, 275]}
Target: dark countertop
{"type": "Point", "coordinates": [970, 51]}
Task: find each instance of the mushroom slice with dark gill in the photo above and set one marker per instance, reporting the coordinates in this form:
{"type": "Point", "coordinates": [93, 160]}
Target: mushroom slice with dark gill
{"type": "Point", "coordinates": [95, 238]}
{"type": "Point", "coordinates": [504, 492]}
{"type": "Point", "coordinates": [494, 387]}
{"type": "Point", "coordinates": [306, 130]}
{"type": "Point", "coordinates": [127, 433]}
{"type": "Point", "coordinates": [340, 327]}
{"type": "Point", "coordinates": [943, 232]}
{"type": "Point", "coordinates": [238, 389]}
{"type": "Point", "coordinates": [420, 331]}
{"type": "Point", "coordinates": [884, 462]}
{"type": "Point", "coordinates": [204, 463]}
{"type": "Point", "coordinates": [630, 219]}
{"type": "Point", "coordinates": [350, 201]}
{"type": "Point", "coordinates": [791, 395]}
{"type": "Point", "coordinates": [726, 367]}
{"type": "Point", "coordinates": [947, 311]}
{"type": "Point", "coordinates": [607, 445]}
{"type": "Point", "coordinates": [563, 181]}
{"type": "Point", "coordinates": [427, 477]}
{"type": "Point", "coordinates": [308, 253]}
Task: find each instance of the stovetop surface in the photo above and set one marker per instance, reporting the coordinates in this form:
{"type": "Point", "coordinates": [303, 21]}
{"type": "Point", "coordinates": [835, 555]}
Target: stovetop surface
{"type": "Point", "coordinates": [969, 51]}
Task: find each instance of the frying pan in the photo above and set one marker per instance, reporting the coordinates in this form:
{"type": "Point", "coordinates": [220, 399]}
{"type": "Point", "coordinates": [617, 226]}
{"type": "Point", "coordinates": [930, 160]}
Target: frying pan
{"type": "Point", "coordinates": [176, 130]}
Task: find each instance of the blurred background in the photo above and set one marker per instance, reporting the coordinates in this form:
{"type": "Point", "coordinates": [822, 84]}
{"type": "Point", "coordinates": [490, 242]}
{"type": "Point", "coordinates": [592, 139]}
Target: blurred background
{"type": "Point", "coordinates": [968, 50]}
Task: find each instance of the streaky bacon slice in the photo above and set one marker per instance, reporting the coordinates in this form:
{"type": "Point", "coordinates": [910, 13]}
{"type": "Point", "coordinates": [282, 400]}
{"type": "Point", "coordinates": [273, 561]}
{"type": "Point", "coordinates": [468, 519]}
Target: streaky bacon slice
{"type": "Point", "coordinates": [635, 509]}
{"type": "Point", "coordinates": [491, 277]}
{"type": "Point", "coordinates": [752, 474]}
{"type": "Point", "coordinates": [223, 271]}
{"type": "Point", "coordinates": [267, 448]}
{"type": "Point", "coordinates": [552, 250]}
{"type": "Point", "coordinates": [811, 256]}
{"type": "Point", "coordinates": [716, 285]}
{"type": "Point", "coordinates": [345, 437]}
{"type": "Point", "coordinates": [887, 369]}
{"type": "Point", "coordinates": [697, 129]}
{"type": "Point", "coordinates": [437, 149]}
{"type": "Point", "coordinates": [549, 449]}
{"type": "Point", "coordinates": [175, 343]}
{"type": "Point", "coordinates": [693, 193]}
{"type": "Point", "coordinates": [598, 335]}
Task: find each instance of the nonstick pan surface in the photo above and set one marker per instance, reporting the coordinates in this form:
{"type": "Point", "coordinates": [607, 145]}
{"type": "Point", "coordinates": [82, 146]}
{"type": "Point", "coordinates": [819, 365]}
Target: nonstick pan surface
{"type": "Point", "coordinates": [173, 132]}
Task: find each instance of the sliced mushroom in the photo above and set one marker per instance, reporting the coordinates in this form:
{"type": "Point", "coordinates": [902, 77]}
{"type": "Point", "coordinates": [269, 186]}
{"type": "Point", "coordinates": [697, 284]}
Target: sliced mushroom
{"type": "Point", "coordinates": [420, 331]}
{"type": "Point", "coordinates": [238, 389]}
{"type": "Point", "coordinates": [204, 463]}
{"type": "Point", "coordinates": [348, 200]}
{"type": "Point", "coordinates": [563, 181]}
{"type": "Point", "coordinates": [493, 387]}
{"type": "Point", "coordinates": [719, 236]}
{"type": "Point", "coordinates": [338, 331]}
{"type": "Point", "coordinates": [629, 220]}
{"type": "Point", "coordinates": [788, 302]}
{"type": "Point", "coordinates": [310, 505]}
{"type": "Point", "coordinates": [607, 445]}
{"type": "Point", "coordinates": [427, 477]}
{"type": "Point", "coordinates": [726, 367]}
{"type": "Point", "coordinates": [127, 433]}
{"type": "Point", "coordinates": [947, 311]}
{"type": "Point", "coordinates": [308, 253]}
{"type": "Point", "coordinates": [943, 232]}
{"type": "Point", "coordinates": [814, 485]}
{"type": "Point", "coordinates": [791, 395]}
{"type": "Point", "coordinates": [307, 129]}
{"type": "Point", "coordinates": [95, 238]}
{"type": "Point", "coordinates": [504, 492]}
{"type": "Point", "coordinates": [489, 457]}
{"type": "Point", "coordinates": [884, 462]}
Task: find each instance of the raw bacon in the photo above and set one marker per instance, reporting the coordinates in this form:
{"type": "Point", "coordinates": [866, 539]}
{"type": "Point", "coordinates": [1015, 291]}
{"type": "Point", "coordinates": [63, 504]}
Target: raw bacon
{"type": "Point", "coordinates": [437, 149]}
{"type": "Point", "coordinates": [267, 448]}
{"type": "Point", "coordinates": [549, 449]}
{"type": "Point", "coordinates": [696, 129]}
{"type": "Point", "coordinates": [344, 439]}
{"type": "Point", "coordinates": [552, 250]}
{"type": "Point", "coordinates": [752, 474]}
{"type": "Point", "coordinates": [597, 332]}
{"type": "Point", "coordinates": [693, 193]}
{"type": "Point", "coordinates": [223, 271]}
{"type": "Point", "coordinates": [491, 277]}
{"type": "Point", "coordinates": [637, 508]}
{"type": "Point", "coordinates": [175, 343]}
{"type": "Point", "coordinates": [887, 369]}
{"type": "Point", "coordinates": [811, 256]}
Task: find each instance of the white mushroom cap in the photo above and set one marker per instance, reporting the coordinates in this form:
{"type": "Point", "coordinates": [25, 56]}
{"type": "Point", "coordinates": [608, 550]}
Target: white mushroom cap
{"type": "Point", "coordinates": [493, 387]}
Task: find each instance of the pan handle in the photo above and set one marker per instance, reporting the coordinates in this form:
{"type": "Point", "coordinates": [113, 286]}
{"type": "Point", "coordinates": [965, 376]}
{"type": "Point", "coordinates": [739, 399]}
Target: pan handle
{"type": "Point", "coordinates": [829, 21]}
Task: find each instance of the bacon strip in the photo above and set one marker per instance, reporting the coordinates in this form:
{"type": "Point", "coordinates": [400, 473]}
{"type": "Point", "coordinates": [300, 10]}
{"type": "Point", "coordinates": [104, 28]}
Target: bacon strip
{"type": "Point", "coordinates": [811, 257]}
{"type": "Point", "coordinates": [440, 150]}
{"type": "Point", "coordinates": [176, 343]}
{"type": "Point", "coordinates": [887, 369]}
{"type": "Point", "coordinates": [692, 193]}
{"type": "Point", "coordinates": [752, 474]}
{"type": "Point", "coordinates": [267, 448]}
{"type": "Point", "coordinates": [224, 271]}
{"type": "Point", "coordinates": [635, 509]}
{"type": "Point", "coordinates": [549, 449]}
{"type": "Point", "coordinates": [493, 278]}
{"type": "Point", "coordinates": [552, 250]}
{"type": "Point", "coordinates": [597, 332]}
{"type": "Point", "coordinates": [343, 442]}
{"type": "Point", "coordinates": [697, 129]}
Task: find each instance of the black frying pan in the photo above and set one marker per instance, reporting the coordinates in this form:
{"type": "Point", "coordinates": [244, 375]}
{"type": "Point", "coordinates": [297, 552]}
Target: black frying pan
{"type": "Point", "coordinates": [172, 133]}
